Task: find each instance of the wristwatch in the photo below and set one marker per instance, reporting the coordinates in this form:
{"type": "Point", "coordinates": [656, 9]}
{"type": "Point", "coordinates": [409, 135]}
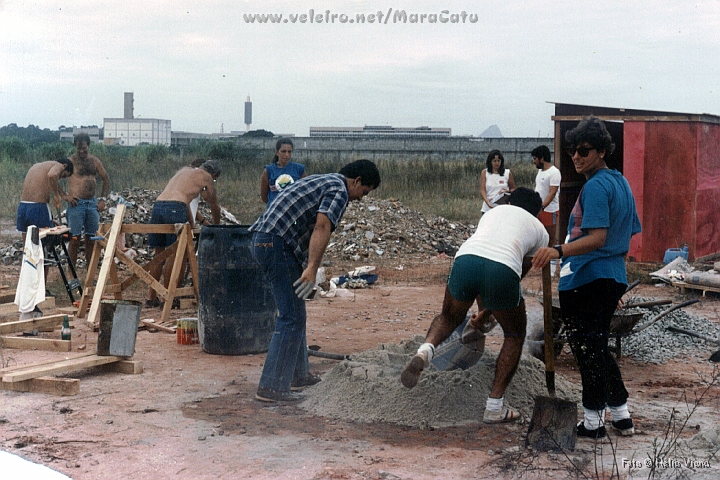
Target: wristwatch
{"type": "Point", "coordinates": [559, 250]}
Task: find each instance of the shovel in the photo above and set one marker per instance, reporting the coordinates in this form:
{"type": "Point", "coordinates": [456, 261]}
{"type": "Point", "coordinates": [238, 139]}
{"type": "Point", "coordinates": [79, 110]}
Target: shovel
{"type": "Point", "coordinates": [715, 357]}
{"type": "Point", "coordinates": [553, 424]}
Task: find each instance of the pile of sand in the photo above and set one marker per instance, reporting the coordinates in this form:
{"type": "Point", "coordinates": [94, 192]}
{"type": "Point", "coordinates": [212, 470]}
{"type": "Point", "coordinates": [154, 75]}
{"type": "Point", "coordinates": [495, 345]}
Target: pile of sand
{"type": "Point", "coordinates": [367, 389]}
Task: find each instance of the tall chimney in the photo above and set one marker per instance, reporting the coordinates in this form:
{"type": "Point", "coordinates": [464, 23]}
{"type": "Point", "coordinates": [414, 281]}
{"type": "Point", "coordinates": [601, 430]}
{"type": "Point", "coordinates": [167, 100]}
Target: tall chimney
{"type": "Point", "coordinates": [248, 114]}
{"type": "Point", "coordinates": [128, 106]}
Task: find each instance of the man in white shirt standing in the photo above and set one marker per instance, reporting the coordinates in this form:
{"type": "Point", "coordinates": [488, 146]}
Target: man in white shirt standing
{"type": "Point", "coordinates": [547, 184]}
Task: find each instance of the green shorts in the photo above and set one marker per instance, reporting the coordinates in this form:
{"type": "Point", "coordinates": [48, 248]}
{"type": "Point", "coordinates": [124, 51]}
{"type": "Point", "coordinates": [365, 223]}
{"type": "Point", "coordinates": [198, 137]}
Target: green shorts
{"type": "Point", "coordinates": [496, 284]}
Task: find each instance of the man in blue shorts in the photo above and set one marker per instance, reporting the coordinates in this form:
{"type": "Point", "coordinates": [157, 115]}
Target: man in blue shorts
{"type": "Point", "coordinates": [41, 183]}
{"type": "Point", "coordinates": [82, 207]}
{"type": "Point", "coordinates": [487, 269]}
{"type": "Point", "coordinates": [173, 206]}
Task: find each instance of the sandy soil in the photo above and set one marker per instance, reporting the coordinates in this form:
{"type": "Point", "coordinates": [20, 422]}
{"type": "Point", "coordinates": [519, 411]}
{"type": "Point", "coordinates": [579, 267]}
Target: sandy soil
{"type": "Point", "coordinates": [192, 415]}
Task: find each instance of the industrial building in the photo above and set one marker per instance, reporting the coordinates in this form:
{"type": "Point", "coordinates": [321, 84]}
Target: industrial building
{"type": "Point", "coordinates": [378, 131]}
{"type": "Point", "coordinates": [129, 131]}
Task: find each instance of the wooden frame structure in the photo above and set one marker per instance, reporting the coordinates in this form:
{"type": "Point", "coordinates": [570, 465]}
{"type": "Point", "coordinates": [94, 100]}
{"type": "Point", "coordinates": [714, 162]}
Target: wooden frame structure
{"type": "Point", "coordinates": [183, 249]}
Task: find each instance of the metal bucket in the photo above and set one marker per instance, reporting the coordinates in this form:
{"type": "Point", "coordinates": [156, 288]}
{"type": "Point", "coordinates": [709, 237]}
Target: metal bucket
{"type": "Point", "coordinates": [119, 320]}
{"type": "Point", "coordinates": [454, 355]}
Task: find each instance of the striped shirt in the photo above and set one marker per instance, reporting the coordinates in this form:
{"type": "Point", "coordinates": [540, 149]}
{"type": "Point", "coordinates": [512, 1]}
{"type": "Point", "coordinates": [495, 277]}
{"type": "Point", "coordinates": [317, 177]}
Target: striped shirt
{"type": "Point", "coordinates": [292, 216]}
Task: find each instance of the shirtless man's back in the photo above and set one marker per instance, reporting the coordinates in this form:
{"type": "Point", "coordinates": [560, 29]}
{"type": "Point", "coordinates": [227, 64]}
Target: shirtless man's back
{"type": "Point", "coordinates": [173, 206]}
{"type": "Point", "coordinates": [41, 183]}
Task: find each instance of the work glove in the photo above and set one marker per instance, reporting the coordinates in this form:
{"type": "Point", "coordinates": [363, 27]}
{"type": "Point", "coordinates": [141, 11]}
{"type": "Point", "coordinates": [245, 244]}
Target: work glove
{"type": "Point", "coordinates": [304, 289]}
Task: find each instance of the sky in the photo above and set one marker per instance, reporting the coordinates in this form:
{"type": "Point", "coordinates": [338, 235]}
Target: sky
{"type": "Point", "coordinates": [503, 63]}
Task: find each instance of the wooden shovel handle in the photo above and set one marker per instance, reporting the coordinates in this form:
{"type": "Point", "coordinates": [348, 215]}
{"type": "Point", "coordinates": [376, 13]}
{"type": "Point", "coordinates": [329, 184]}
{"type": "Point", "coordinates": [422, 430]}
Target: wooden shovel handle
{"type": "Point", "coordinates": [548, 331]}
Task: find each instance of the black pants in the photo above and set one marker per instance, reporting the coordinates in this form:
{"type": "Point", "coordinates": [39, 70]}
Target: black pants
{"type": "Point", "coordinates": [587, 312]}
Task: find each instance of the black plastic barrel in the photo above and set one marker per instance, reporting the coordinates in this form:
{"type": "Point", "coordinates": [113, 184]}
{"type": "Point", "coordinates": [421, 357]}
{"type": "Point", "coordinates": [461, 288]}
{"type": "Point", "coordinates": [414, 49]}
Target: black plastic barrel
{"type": "Point", "coordinates": [236, 314]}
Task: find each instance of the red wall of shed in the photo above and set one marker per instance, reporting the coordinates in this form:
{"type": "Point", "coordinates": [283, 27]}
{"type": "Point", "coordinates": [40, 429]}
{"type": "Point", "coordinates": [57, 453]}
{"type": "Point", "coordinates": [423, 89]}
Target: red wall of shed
{"type": "Point", "coordinates": [708, 190]}
{"type": "Point", "coordinates": [669, 187]}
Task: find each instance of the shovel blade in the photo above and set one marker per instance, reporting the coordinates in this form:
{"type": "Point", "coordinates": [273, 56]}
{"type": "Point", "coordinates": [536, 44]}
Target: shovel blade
{"type": "Point", "coordinates": [553, 425]}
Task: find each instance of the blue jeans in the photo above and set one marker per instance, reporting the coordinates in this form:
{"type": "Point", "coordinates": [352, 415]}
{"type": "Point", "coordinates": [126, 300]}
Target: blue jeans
{"type": "Point", "coordinates": [83, 215]}
{"type": "Point", "coordinates": [287, 357]}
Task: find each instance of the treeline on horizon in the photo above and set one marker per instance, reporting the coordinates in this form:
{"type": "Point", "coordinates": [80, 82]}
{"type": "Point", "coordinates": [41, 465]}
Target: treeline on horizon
{"type": "Point", "coordinates": [442, 188]}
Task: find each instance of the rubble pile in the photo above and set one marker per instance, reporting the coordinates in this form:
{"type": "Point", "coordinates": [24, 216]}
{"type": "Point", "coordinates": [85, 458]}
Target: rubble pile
{"type": "Point", "coordinates": [376, 229]}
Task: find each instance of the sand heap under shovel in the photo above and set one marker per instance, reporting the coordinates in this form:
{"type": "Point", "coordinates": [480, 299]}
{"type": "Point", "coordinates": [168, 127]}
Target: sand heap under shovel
{"type": "Point", "coordinates": [367, 389]}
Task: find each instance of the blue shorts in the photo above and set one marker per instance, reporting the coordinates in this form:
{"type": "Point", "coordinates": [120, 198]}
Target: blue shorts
{"type": "Point", "coordinates": [85, 216]}
{"type": "Point", "coordinates": [33, 213]}
{"type": "Point", "coordinates": [166, 213]}
{"type": "Point", "coordinates": [495, 283]}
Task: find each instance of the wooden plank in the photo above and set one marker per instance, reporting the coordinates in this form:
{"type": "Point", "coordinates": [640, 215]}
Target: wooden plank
{"type": "Point", "coordinates": [7, 296]}
{"type": "Point", "coordinates": [63, 366]}
{"type": "Point", "coordinates": [48, 385]}
{"type": "Point", "coordinates": [89, 289]}
{"type": "Point", "coordinates": [28, 343]}
{"type": "Point", "coordinates": [47, 362]}
{"type": "Point", "coordinates": [108, 261]}
{"type": "Point", "coordinates": [10, 308]}
{"type": "Point", "coordinates": [129, 367]}
{"type": "Point", "coordinates": [150, 228]}
{"type": "Point", "coordinates": [704, 288]}
{"type": "Point", "coordinates": [30, 324]}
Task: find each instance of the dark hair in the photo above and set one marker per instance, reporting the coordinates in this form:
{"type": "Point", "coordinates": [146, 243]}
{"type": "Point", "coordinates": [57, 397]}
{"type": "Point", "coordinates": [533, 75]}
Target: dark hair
{"type": "Point", "coordinates": [365, 169]}
{"type": "Point", "coordinates": [197, 163]}
{"type": "Point", "coordinates": [81, 137]}
{"type": "Point", "coordinates": [528, 200]}
{"type": "Point", "coordinates": [212, 167]}
{"type": "Point", "coordinates": [69, 167]}
{"type": "Point", "coordinates": [542, 152]}
{"type": "Point", "coordinates": [594, 132]}
{"type": "Point", "coordinates": [282, 141]}
{"type": "Point", "coordinates": [488, 162]}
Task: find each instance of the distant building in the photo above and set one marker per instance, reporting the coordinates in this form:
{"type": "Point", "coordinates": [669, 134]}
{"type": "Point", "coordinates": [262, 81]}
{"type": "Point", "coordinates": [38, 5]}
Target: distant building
{"type": "Point", "coordinates": [378, 131]}
{"type": "Point", "coordinates": [69, 136]}
{"type": "Point", "coordinates": [129, 132]}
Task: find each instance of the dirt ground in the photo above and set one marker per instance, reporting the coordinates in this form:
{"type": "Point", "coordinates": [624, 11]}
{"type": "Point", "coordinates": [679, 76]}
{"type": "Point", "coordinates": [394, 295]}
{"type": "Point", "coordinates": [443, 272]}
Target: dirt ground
{"type": "Point", "coordinates": [193, 415]}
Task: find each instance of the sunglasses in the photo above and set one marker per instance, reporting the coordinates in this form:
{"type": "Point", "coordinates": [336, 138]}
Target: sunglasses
{"type": "Point", "coordinates": [582, 151]}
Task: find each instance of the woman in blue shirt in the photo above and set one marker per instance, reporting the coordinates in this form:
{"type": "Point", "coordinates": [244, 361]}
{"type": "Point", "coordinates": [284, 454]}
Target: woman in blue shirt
{"type": "Point", "coordinates": [593, 276]}
{"type": "Point", "coordinates": [275, 176]}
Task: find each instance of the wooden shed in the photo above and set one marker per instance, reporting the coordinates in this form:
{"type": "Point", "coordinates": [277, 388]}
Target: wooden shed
{"type": "Point", "coordinates": [672, 162]}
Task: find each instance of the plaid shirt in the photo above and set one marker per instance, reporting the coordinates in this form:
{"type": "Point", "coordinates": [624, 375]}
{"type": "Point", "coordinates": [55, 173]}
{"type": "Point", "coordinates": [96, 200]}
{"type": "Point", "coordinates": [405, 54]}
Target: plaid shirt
{"type": "Point", "coordinates": [292, 214]}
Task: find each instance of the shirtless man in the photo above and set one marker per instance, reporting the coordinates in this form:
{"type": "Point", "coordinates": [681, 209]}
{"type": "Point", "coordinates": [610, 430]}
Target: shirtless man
{"type": "Point", "coordinates": [83, 208]}
{"type": "Point", "coordinates": [41, 182]}
{"type": "Point", "coordinates": [173, 206]}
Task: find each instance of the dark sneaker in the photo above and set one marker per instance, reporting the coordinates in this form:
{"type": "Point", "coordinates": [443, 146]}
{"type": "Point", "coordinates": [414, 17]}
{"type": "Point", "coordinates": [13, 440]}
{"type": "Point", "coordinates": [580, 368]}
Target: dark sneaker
{"type": "Point", "coordinates": [596, 433]}
{"type": "Point", "coordinates": [308, 381]}
{"type": "Point", "coordinates": [624, 427]}
{"type": "Point", "coordinates": [267, 395]}
{"type": "Point", "coordinates": [411, 373]}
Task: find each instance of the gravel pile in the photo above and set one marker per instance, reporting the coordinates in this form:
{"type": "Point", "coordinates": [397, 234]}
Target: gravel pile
{"type": "Point", "coordinates": [657, 345]}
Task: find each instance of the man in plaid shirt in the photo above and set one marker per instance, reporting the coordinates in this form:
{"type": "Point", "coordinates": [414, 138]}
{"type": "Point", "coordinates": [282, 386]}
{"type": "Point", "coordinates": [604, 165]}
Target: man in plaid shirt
{"type": "Point", "coordinates": [289, 241]}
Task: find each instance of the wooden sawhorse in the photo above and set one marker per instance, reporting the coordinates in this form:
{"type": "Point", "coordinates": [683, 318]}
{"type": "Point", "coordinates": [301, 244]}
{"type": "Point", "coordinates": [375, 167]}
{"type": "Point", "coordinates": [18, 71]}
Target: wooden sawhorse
{"type": "Point", "coordinates": [183, 248]}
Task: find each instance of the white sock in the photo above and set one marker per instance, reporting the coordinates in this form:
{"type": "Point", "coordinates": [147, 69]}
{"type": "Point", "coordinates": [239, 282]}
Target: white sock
{"type": "Point", "coordinates": [619, 413]}
{"type": "Point", "coordinates": [594, 419]}
{"type": "Point", "coordinates": [427, 351]}
{"type": "Point", "coordinates": [494, 404]}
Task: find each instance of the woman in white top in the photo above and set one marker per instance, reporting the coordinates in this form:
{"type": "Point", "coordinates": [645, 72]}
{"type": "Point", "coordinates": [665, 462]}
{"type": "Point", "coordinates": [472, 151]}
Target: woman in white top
{"type": "Point", "coordinates": [496, 181]}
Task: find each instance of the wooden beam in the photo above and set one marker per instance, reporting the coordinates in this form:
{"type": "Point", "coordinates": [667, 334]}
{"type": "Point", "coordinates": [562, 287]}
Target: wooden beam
{"type": "Point", "coordinates": [48, 385]}
{"type": "Point", "coordinates": [130, 367]}
{"type": "Point", "coordinates": [152, 325]}
{"type": "Point", "coordinates": [47, 362]}
{"type": "Point", "coordinates": [10, 308]}
{"type": "Point", "coordinates": [29, 343]}
{"type": "Point", "coordinates": [149, 228]}
{"type": "Point", "coordinates": [108, 261]}
{"type": "Point", "coordinates": [62, 366]}
{"type": "Point", "coordinates": [30, 324]}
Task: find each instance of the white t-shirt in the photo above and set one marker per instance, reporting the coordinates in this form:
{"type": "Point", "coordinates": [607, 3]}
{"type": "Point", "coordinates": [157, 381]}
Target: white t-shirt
{"type": "Point", "coordinates": [543, 181]}
{"type": "Point", "coordinates": [494, 183]}
{"type": "Point", "coordinates": [505, 235]}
